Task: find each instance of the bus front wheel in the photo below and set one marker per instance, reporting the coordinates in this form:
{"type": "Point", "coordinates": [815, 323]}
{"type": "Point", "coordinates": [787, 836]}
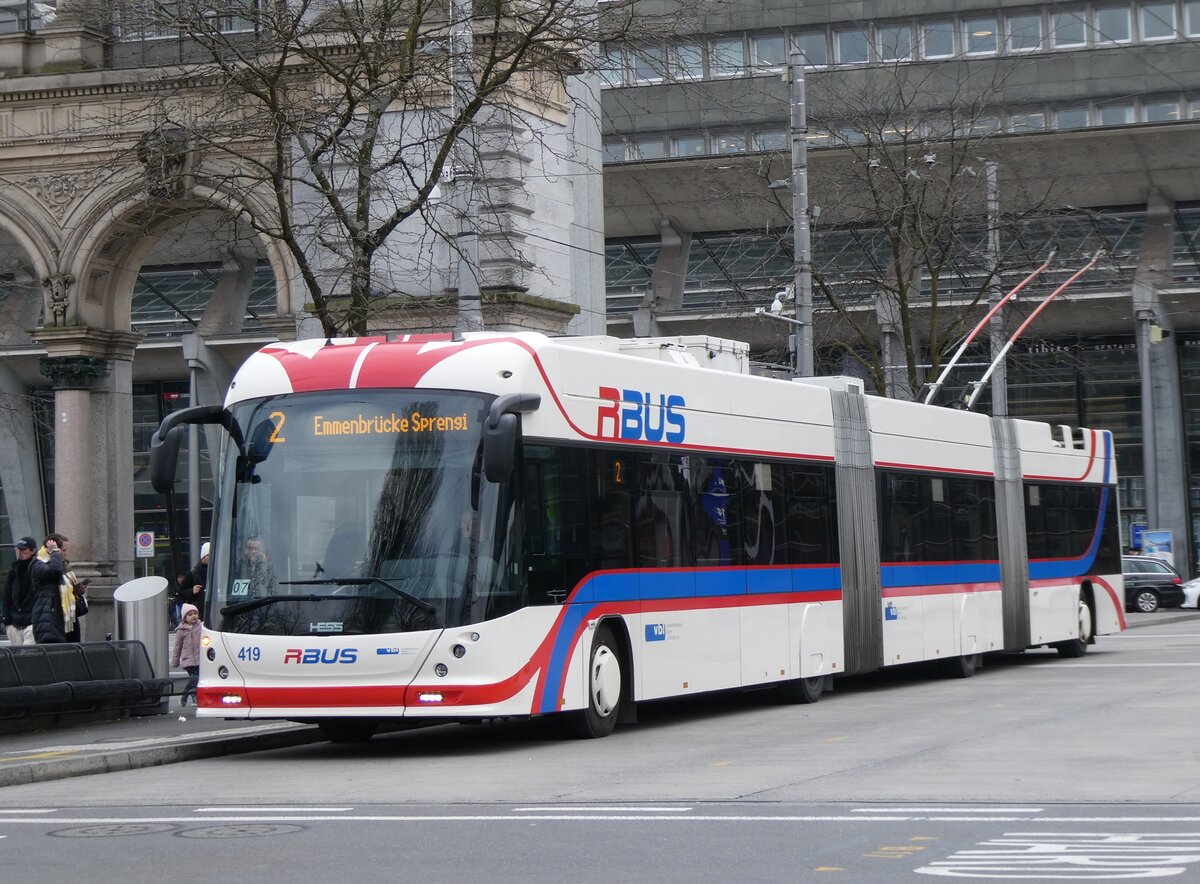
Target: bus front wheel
{"type": "Point", "coordinates": [605, 688]}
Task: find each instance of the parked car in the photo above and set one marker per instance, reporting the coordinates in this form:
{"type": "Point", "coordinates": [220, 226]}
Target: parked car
{"type": "Point", "coordinates": [1191, 594]}
{"type": "Point", "coordinates": [1150, 584]}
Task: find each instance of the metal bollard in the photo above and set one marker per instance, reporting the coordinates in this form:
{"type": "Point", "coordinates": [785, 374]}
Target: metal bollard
{"type": "Point", "coordinates": [142, 616]}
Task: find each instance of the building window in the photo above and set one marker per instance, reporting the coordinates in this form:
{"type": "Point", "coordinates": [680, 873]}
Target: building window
{"type": "Point", "coordinates": [1067, 29]}
{"type": "Point", "coordinates": [1025, 32]}
{"type": "Point", "coordinates": [614, 151]}
{"type": "Point", "coordinates": [818, 139]}
{"type": "Point", "coordinates": [980, 35]}
{"type": "Point", "coordinates": [937, 39]}
{"type": "Point", "coordinates": [1196, 110]}
{"type": "Point", "coordinates": [687, 61]}
{"type": "Point", "coordinates": [1156, 20]}
{"type": "Point", "coordinates": [728, 57]}
{"type": "Point", "coordinates": [1071, 117]}
{"type": "Point", "coordinates": [1028, 121]}
{"type": "Point", "coordinates": [984, 126]}
{"type": "Point", "coordinates": [852, 46]}
{"type": "Point", "coordinates": [612, 68]}
{"type": "Point", "coordinates": [729, 142]}
{"type": "Point", "coordinates": [649, 148]}
{"type": "Point", "coordinates": [813, 47]}
{"type": "Point", "coordinates": [773, 140]}
{"type": "Point", "coordinates": [1116, 115]}
{"type": "Point", "coordinates": [767, 52]}
{"type": "Point", "coordinates": [649, 64]}
{"type": "Point", "coordinates": [1160, 111]}
{"type": "Point", "coordinates": [1191, 17]}
{"type": "Point", "coordinates": [894, 43]}
{"type": "Point", "coordinates": [688, 146]}
{"type": "Point", "coordinates": [1110, 24]}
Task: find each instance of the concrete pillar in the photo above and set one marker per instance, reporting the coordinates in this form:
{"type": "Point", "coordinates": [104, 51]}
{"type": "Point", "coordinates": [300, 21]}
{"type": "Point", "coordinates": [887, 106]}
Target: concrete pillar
{"type": "Point", "coordinates": [91, 372]}
{"type": "Point", "coordinates": [1162, 403]}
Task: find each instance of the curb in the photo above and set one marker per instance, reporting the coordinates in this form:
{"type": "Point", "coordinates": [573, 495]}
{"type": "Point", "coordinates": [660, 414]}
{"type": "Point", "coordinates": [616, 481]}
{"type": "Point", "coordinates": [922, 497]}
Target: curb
{"type": "Point", "coordinates": [154, 756]}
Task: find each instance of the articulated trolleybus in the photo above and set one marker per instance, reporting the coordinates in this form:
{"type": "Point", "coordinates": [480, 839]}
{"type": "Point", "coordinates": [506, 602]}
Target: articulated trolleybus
{"type": "Point", "coordinates": [507, 525]}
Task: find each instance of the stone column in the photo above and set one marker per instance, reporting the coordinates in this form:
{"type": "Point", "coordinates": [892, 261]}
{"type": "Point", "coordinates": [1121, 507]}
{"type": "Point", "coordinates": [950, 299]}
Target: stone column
{"type": "Point", "coordinates": [91, 373]}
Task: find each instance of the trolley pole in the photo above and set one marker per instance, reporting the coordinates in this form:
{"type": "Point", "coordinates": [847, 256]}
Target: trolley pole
{"type": "Point", "coordinates": [996, 328]}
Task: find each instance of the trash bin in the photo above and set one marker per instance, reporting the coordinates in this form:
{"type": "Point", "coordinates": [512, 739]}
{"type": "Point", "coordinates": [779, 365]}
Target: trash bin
{"type": "Point", "coordinates": [142, 616]}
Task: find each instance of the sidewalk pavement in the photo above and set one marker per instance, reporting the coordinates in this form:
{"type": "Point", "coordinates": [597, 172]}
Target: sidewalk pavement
{"type": "Point", "coordinates": [101, 747]}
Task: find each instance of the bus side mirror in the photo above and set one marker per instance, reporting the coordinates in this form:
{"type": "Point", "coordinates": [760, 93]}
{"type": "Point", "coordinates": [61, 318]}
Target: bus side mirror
{"type": "Point", "coordinates": [164, 444]}
{"type": "Point", "coordinates": [500, 433]}
{"type": "Point", "coordinates": [164, 456]}
{"type": "Point", "coordinates": [499, 448]}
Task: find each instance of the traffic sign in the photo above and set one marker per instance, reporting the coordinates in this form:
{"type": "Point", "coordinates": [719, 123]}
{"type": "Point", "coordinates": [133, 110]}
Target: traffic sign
{"type": "Point", "coordinates": [145, 544]}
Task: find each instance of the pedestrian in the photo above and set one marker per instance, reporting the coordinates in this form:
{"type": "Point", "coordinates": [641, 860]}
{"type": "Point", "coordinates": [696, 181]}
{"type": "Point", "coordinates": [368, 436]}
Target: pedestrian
{"type": "Point", "coordinates": [57, 601]}
{"type": "Point", "coordinates": [186, 650]}
{"type": "Point", "coordinates": [16, 605]}
{"type": "Point", "coordinates": [191, 586]}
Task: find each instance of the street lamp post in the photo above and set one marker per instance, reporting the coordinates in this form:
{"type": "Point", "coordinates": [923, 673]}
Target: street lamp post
{"type": "Point", "coordinates": [801, 240]}
{"type": "Point", "coordinates": [462, 47]}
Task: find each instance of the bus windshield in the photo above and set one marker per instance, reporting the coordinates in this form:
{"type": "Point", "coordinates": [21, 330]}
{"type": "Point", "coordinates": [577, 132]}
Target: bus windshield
{"type": "Point", "coordinates": [359, 512]}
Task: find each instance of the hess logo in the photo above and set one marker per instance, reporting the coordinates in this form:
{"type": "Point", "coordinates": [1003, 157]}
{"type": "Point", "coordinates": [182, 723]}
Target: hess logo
{"type": "Point", "coordinates": [638, 416]}
{"type": "Point", "coordinates": [320, 655]}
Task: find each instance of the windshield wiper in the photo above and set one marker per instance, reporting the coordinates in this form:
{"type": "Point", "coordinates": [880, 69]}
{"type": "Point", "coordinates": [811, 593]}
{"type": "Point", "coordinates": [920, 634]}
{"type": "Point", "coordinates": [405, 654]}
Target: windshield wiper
{"type": "Point", "coordinates": [260, 601]}
{"type": "Point", "coordinates": [364, 581]}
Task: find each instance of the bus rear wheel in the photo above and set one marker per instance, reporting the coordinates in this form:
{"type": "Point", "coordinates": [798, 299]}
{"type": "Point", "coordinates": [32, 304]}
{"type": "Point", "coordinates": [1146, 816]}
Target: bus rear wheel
{"type": "Point", "coordinates": [347, 730]}
{"type": "Point", "coordinates": [605, 689]}
{"type": "Point", "coordinates": [960, 667]}
{"type": "Point", "coordinates": [1077, 647]}
{"type": "Point", "coordinates": [800, 690]}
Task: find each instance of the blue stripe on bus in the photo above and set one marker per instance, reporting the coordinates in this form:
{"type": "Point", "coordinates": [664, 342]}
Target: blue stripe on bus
{"type": "Point", "coordinates": [655, 585]}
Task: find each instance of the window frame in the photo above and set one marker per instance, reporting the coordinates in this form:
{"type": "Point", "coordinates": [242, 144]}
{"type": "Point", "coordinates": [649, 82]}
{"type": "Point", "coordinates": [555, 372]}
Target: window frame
{"type": "Point", "coordinates": [879, 30]}
{"type": "Point", "coordinates": [1079, 16]}
{"type": "Point", "coordinates": [968, 33]}
{"type": "Point", "coordinates": [1096, 35]}
{"type": "Point", "coordinates": [1174, 24]}
{"type": "Point", "coordinates": [951, 30]}
{"type": "Point", "coordinates": [1035, 15]}
{"type": "Point", "coordinates": [837, 44]}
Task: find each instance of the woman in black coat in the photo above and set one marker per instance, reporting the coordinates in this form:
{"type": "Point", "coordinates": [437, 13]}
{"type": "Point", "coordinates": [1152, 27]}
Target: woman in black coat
{"type": "Point", "coordinates": [46, 575]}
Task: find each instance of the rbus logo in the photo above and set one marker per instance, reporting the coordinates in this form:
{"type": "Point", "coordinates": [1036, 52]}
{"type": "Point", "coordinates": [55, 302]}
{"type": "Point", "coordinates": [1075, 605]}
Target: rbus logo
{"type": "Point", "coordinates": [635, 416]}
{"type": "Point", "coordinates": [320, 655]}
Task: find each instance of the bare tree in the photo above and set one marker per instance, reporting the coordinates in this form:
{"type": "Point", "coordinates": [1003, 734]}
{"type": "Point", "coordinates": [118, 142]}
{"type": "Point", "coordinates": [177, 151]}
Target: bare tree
{"type": "Point", "coordinates": [342, 120]}
{"type": "Point", "coordinates": [907, 249]}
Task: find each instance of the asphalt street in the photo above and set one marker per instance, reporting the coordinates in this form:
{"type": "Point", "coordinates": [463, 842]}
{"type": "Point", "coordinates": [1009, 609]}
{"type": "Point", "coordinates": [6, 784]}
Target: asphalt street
{"type": "Point", "coordinates": [178, 735]}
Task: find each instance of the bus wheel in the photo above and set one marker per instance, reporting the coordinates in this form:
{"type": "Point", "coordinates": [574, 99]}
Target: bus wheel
{"type": "Point", "coordinates": [604, 689]}
{"type": "Point", "coordinates": [959, 667]}
{"type": "Point", "coordinates": [1078, 646]}
{"type": "Point", "coordinates": [347, 730]}
{"type": "Point", "coordinates": [800, 690]}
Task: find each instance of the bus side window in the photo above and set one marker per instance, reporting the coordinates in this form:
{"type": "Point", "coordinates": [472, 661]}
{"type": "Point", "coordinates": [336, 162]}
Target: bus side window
{"type": "Point", "coordinates": [609, 525]}
{"type": "Point", "coordinates": [662, 513]}
{"type": "Point", "coordinates": [717, 511]}
{"type": "Point", "coordinates": [555, 488]}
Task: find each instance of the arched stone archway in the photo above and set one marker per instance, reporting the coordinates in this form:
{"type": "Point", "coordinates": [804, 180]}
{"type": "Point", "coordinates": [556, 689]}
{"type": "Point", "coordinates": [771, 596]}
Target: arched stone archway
{"type": "Point", "coordinates": [88, 334]}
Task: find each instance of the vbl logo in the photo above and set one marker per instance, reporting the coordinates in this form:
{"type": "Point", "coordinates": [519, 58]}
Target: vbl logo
{"type": "Point", "coordinates": [635, 416]}
{"type": "Point", "coordinates": [320, 655]}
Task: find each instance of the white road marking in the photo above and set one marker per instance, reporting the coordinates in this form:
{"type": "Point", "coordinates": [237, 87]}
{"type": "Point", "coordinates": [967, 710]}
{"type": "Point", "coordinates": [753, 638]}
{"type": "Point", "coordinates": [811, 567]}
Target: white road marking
{"type": "Point", "coordinates": [601, 809]}
{"type": "Point", "coordinates": [271, 809]}
{"type": "Point", "coordinates": [947, 810]}
{"type": "Point", "coordinates": [1075, 856]}
{"type": "Point", "coordinates": [573, 816]}
{"type": "Point", "coordinates": [30, 810]}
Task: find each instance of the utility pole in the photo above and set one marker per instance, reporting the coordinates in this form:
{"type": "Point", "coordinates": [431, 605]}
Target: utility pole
{"type": "Point", "coordinates": [462, 52]}
{"type": "Point", "coordinates": [801, 239]}
{"type": "Point", "coordinates": [996, 326]}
